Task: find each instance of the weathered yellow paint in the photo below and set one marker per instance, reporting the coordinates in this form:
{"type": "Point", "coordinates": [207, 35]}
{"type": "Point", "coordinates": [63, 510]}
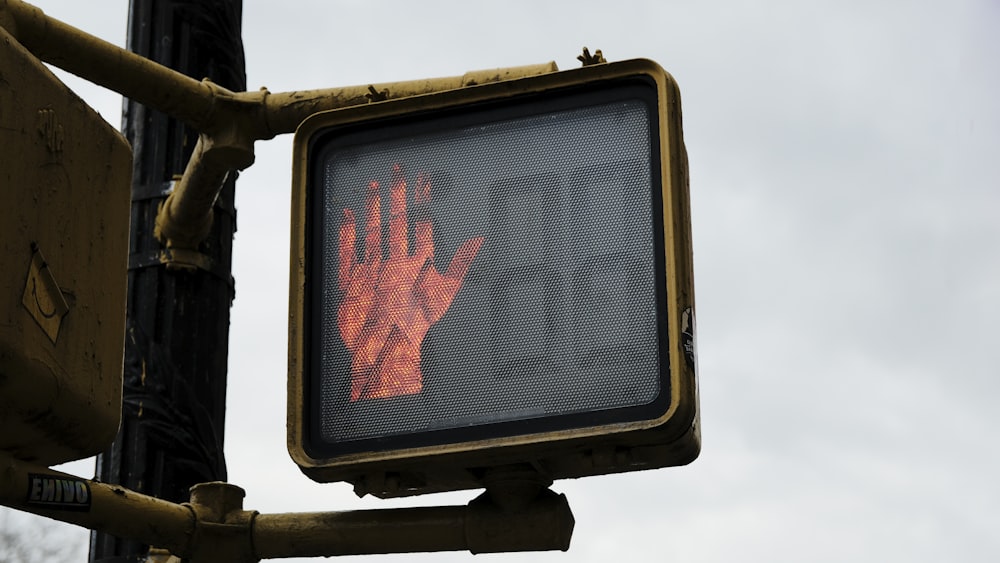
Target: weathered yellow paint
{"type": "Point", "coordinates": [64, 218]}
{"type": "Point", "coordinates": [105, 507]}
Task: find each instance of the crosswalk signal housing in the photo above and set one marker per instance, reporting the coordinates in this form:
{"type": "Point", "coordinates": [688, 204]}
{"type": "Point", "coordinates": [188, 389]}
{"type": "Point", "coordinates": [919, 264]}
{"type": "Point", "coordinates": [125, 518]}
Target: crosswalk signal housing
{"type": "Point", "coordinates": [491, 276]}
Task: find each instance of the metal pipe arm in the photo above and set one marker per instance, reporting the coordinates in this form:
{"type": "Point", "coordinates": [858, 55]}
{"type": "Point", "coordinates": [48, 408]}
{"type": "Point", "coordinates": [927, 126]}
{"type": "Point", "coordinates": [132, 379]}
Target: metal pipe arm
{"type": "Point", "coordinates": [544, 524]}
{"type": "Point", "coordinates": [94, 505]}
{"type": "Point", "coordinates": [322, 534]}
{"type": "Point", "coordinates": [213, 526]}
{"type": "Point", "coordinates": [229, 122]}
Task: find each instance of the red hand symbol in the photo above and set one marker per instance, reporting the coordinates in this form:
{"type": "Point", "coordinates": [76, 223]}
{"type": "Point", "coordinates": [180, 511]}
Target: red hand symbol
{"type": "Point", "coordinates": [390, 304]}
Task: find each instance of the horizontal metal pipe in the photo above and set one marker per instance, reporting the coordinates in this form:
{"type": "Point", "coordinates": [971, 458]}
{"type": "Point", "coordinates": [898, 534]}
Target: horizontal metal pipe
{"type": "Point", "coordinates": [94, 505]}
{"type": "Point", "coordinates": [285, 111]}
{"type": "Point", "coordinates": [544, 523]}
{"type": "Point", "coordinates": [325, 534]}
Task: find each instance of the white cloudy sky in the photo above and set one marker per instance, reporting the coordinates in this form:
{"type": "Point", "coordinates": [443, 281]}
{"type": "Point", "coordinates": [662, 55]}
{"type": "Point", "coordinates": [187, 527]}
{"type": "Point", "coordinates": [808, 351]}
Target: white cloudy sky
{"type": "Point", "coordinates": [845, 177]}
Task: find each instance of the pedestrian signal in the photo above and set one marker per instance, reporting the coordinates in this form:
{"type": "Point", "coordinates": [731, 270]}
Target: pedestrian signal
{"type": "Point", "coordinates": [494, 275]}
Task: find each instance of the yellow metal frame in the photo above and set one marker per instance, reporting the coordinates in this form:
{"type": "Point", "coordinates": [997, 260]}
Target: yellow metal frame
{"type": "Point", "coordinates": [671, 439]}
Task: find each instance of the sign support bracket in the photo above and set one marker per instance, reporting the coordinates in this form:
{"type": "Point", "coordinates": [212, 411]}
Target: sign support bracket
{"type": "Point", "coordinates": [213, 526]}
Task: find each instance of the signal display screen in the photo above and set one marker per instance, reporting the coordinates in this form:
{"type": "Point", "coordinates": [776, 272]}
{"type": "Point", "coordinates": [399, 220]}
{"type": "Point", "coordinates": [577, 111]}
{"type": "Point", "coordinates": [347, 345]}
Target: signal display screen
{"type": "Point", "coordinates": [487, 272]}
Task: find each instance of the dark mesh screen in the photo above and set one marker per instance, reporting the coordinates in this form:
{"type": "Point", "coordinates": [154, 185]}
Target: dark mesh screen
{"type": "Point", "coordinates": [487, 273]}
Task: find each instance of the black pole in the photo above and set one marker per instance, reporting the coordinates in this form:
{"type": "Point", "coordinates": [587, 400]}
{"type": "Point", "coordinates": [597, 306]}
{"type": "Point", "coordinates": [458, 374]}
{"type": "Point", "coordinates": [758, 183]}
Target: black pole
{"type": "Point", "coordinates": [177, 329]}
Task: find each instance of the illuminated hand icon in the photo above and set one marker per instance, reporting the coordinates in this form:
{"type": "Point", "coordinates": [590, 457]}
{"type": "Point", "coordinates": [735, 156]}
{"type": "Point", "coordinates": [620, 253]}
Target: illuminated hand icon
{"type": "Point", "coordinates": [389, 304]}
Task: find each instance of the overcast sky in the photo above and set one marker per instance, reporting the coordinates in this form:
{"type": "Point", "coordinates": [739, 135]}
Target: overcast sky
{"type": "Point", "coordinates": [845, 185]}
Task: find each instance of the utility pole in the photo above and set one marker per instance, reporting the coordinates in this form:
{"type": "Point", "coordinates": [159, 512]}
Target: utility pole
{"type": "Point", "coordinates": [177, 323]}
